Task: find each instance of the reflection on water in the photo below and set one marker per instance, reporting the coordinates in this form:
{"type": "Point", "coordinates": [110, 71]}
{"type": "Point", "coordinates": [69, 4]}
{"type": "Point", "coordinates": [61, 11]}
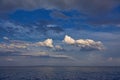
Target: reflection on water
{"type": "Point", "coordinates": [59, 73]}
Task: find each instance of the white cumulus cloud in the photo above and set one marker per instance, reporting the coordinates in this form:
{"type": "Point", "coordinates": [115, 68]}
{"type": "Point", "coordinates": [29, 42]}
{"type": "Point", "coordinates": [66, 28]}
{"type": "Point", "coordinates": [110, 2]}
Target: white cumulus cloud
{"type": "Point", "coordinates": [84, 44]}
{"type": "Point", "coordinates": [69, 40]}
{"type": "Point", "coordinates": [47, 43]}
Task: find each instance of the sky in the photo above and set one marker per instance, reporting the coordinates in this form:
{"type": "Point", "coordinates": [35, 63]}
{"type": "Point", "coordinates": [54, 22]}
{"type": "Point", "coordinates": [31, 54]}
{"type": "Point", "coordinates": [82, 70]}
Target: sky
{"type": "Point", "coordinates": [60, 32]}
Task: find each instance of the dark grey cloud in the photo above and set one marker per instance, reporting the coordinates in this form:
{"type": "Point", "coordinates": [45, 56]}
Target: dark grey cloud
{"type": "Point", "coordinates": [87, 6]}
{"type": "Point", "coordinates": [7, 5]}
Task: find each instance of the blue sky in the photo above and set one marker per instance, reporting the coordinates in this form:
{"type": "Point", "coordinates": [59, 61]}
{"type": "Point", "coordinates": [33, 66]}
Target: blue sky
{"type": "Point", "coordinates": [60, 32]}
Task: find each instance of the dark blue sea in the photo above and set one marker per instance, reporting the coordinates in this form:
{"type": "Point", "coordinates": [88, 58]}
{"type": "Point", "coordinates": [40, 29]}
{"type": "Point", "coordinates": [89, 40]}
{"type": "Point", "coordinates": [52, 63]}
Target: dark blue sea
{"type": "Point", "coordinates": [59, 73]}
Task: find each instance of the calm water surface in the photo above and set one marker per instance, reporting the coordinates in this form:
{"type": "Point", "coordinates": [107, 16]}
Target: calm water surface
{"type": "Point", "coordinates": [59, 73]}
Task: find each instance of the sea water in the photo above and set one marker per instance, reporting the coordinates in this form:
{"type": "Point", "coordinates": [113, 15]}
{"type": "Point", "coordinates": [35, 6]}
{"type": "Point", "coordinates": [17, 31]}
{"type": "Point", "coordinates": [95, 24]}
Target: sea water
{"type": "Point", "coordinates": [59, 73]}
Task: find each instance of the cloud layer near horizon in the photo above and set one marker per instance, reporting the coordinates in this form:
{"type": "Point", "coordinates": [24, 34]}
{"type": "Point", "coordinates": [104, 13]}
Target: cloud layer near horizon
{"type": "Point", "coordinates": [15, 46]}
{"type": "Point", "coordinates": [28, 49]}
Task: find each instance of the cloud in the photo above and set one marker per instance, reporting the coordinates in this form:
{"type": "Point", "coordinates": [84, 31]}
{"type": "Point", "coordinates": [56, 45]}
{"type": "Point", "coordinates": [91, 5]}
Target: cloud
{"type": "Point", "coordinates": [28, 49]}
{"type": "Point", "coordinates": [59, 15]}
{"type": "Point", "coordinates": [17, 47]}
{"type": "Point", "coordinates": [21, 46]}
{"type": "Point", "coordinates": [89, 44]}
{"type": "Point", "coordinates": [13, 47]}
{"type": "Point", "coordinates": [95, 11]}
{"type": "Point", "coordinates": [51, 25]}
{"type": "Point", "coordinates": [51, 56]}
{"type": "Point", "coordinates": [9, 59]}
{"type": "Point", "coordinates": [59, 48]}
{"type": "Point", "coordinates": [84, 44]}
{"type": "Point", "coordinates": [69, 40]}
{"type": "Point", "coordinates": [28, 32]}
{"type": "Point", "coordinates": [61, 56]}
{"type": "Point", "coordinates": [5, 38]}
{"type": "Point", "coordinates": [13, 29]}
{"type": "Point", "coordinates": [47, 43]}
{"type": "Point", "coordinates": [90, 6]}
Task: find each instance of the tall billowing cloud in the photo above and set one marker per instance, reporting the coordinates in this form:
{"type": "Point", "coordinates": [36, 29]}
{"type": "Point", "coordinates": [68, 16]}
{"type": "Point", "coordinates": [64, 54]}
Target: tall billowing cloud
{"type": "Point", "coordinates": [47, 43]}
{"type": "Point", "coordinates": [69, 40]}
{"type": "Point", "coordinates": [84, 44]}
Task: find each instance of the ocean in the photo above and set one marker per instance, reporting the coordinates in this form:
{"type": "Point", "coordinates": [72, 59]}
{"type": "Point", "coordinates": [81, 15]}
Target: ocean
{"type": "Point", "coordinates": [59, 73]}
